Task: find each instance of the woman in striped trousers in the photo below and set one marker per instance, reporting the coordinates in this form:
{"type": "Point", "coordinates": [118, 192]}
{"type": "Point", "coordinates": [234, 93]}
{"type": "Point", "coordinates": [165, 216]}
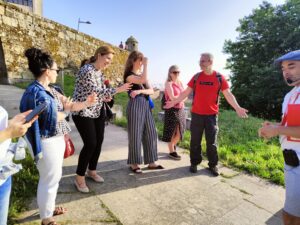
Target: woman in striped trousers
{"type": "Point", "coordinates": [141, 127]}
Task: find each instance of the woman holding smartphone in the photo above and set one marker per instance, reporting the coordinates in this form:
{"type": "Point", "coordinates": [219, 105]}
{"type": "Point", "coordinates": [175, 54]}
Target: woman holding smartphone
{"type": "Point", "coordinates": [90, 122]}
{"type": "Point", "coordinates": [16, 127]}
{"type": "Point", "coordinates": [141, 126]}
{"type": "Point", "coordinates": [46, 135]}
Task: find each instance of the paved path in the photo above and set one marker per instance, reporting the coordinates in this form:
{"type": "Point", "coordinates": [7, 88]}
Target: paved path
{"type": "Point", "coordinates": [171, 196]}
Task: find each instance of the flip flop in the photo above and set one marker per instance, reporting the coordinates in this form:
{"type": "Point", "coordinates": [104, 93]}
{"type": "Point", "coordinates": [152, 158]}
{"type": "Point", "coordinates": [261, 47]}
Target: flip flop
{"type": "Point", "coordinates": [136, 170]}
{"type": "Point", "coordinates": [158, 167]}
{"type": "Point", "coordinates": [59, 210]}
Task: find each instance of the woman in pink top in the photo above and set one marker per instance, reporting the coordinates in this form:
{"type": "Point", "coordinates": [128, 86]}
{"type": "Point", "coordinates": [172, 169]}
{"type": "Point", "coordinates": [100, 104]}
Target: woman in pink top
{"type": "Point", "coordinates": [174, 122]}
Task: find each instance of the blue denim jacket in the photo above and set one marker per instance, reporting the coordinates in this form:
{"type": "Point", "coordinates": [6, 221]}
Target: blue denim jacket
{"type": "Point", "coordinates": [45, 126]}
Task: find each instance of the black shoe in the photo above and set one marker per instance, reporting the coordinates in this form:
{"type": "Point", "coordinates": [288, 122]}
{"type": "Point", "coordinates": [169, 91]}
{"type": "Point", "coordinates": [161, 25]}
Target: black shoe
{"type": "Point", "coordinates": [174, 155]}
{"type": "Point", "coordinates": [214, 170]}
{"type": "Point", "coordinates": [193, 168]}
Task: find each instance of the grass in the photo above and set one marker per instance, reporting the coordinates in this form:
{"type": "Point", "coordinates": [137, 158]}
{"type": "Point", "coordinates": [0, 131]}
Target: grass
{"type": "Point", "coordinates": [239, 144]}
{"type": "Point", "coordinates": [68, 88]}
{"type": "Point", "coordinates": [23, 188]}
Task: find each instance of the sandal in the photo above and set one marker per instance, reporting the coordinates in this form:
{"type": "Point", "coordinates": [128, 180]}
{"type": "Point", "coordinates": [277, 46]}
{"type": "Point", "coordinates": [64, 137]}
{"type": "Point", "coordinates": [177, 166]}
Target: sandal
{"type": "Point", "coordinates": [50, 223]}
{"type": "Point", "coordinates": [158, 167]}
{"type": "Point", "coordinates": [136, 170]}
{"type": "Point", "coordinates": [59, 210]}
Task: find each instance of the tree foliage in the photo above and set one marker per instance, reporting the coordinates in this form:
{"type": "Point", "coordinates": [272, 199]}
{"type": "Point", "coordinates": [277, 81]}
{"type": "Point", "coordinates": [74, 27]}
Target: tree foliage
{"type": "Point", "coordinates": [264, 35]}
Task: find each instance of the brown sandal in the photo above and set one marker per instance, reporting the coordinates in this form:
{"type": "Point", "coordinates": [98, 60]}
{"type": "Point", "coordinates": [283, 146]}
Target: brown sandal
{"type": "Point", "coordinates": [50, 223]}
{"type": "Point", "coordinates": [59, 210]}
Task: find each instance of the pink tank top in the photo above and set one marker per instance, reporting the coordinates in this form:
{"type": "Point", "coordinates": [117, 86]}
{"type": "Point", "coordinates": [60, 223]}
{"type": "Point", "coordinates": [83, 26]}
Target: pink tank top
{"type": "Point", "coordinates": [177, 89]}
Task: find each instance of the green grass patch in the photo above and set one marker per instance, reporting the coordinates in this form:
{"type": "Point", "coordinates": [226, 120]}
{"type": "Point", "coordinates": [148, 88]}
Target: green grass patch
{"type": "Point", "coordinates": [239, 144]}
{"type": "Point", "coordinates": [24, 186]}
{"type": "Point", "coordinates": [68, 86]}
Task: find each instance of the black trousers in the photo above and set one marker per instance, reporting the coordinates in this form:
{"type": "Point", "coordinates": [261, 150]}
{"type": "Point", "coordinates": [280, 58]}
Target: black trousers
{"type": "Point", "coordinates": [91, 131]}
{"type": "Point", "coordinates": [209, 125]}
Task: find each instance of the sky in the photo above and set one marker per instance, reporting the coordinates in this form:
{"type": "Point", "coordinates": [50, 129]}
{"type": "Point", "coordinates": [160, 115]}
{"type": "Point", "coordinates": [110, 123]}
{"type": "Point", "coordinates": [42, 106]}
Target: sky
{"type": "Point", "coordinates": [168, 31]}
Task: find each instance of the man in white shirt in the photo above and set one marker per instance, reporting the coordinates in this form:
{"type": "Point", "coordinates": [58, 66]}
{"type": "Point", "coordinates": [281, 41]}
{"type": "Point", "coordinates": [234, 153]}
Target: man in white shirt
{"type": "Point", "coordinates": [289, 134]}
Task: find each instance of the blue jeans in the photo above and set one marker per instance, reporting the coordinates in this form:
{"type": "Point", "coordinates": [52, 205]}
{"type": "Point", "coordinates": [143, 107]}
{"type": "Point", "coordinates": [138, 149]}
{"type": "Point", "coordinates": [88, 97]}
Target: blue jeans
{"type": "Point", "coordinates": [5, 189]}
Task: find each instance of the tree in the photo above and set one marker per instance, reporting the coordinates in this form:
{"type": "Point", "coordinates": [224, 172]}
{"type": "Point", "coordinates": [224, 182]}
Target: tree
{"type": "Point", "coordinates": [264, 35]}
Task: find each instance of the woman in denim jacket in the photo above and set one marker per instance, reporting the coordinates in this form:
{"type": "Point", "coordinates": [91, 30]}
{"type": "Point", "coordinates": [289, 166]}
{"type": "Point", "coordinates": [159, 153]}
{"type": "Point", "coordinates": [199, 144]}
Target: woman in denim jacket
{"type": "Point", "coordinates": [46, 136]}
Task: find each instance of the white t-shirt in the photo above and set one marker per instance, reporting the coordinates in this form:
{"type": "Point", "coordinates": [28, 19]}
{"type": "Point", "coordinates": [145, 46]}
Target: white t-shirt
{"type": "Point", "coordinates": [292, 97]}
{"type": "Point", "coordinates": [3, 124]}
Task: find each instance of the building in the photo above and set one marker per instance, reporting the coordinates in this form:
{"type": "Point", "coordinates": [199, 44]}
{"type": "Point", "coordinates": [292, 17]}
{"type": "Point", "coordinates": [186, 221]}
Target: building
{"type": "Point", "coordinates": [33, 6]}
{"type": "Point", "coordinates": [131, 44]}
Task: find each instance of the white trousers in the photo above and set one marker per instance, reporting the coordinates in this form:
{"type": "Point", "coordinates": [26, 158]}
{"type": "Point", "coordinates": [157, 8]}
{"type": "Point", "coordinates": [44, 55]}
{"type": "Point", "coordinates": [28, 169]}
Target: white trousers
{"type": "Point", "coordinates": [50, 171]}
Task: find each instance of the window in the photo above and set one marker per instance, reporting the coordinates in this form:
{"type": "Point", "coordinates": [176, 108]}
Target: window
{"type": "Point", "coordinates": [22, 2]}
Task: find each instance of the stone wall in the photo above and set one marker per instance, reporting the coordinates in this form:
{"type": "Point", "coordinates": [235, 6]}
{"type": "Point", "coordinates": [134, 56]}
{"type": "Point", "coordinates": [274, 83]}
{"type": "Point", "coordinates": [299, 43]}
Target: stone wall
{"type": "Point", "coordinates": [20, 30]}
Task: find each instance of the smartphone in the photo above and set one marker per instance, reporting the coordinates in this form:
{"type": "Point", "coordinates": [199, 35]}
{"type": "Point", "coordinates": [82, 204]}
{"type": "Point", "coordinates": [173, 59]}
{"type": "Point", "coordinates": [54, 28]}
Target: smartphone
{"type": "Point", "coordinates": [37, 111]}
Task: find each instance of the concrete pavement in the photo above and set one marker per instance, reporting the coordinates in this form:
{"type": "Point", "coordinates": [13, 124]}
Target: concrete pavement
{"type": "Point", "coordinates": [170, 196]}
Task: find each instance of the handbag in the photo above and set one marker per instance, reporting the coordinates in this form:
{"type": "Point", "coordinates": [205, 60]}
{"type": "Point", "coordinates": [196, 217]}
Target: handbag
{"type": "Point", "coordinates": [107, 114]}
{"type": "Point", "coordinates": [70, 149]}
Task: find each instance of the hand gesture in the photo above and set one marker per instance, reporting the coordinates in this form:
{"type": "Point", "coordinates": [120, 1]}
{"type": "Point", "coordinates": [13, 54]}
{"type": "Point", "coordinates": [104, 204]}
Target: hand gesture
{"type": "Point", "coordinates": [268, 130]}
{"type": "Point", "coordinates": [17, 126]}
{"type": "Point", "coordinates": [145, 61]}
{"type": "Point", "coordinates": [134, 93]}
{"type": "Point", "coordinates": [124, 87]}
{"type": "Point", "coordinates": [68, 103]}
{"type": "Point", "coordinates": [242, 113]}
{"type": "Point", "coordinates": [169, 104]}
{"type": "Point", "coordinates": [92, 99]}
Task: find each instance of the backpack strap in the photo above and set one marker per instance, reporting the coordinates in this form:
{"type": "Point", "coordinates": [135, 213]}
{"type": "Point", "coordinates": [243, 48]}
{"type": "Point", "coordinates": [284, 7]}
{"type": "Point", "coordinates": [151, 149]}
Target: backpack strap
{"type": "Point", "coordinates": [196, 76]}
{"type": "Point", "coordinates": [219, 76]}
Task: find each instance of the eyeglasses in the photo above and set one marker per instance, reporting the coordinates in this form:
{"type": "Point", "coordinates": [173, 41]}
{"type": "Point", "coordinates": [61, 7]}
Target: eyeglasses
{"type": "Point", "coordinates": [175, 72]}
{"type": "Point", "coordinates": [57, 70]}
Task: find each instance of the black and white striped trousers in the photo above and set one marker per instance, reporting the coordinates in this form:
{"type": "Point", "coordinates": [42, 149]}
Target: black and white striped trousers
{"type": "Point", "coordinates": [141, 130]}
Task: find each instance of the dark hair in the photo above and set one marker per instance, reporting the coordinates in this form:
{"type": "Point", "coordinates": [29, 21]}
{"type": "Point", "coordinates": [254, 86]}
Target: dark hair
{"type": "Point", "coordinates": [83, 62]}
{"type": "Point", "coordinates": [38, 61]}
{"type": "Point", "coordinates": [92, 59]}
{"type": "Point", "coordinates": [133, 56]}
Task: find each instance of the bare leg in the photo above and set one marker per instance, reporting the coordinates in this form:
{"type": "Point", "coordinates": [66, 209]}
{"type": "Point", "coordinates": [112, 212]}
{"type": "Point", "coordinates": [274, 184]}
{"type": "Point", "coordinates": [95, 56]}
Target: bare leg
{"type": "Point", "coordinates": [289, 219]}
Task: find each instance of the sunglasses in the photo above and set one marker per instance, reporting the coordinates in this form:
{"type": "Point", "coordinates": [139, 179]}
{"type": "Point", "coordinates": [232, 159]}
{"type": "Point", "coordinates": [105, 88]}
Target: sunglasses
{"type": "Point", "coordinates": [57, 70]}
{"type": "Point", "coordinates": [175, 72]}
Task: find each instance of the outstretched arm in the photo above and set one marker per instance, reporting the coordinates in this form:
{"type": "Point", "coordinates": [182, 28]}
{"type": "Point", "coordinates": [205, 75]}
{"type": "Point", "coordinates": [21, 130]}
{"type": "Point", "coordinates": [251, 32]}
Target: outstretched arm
{"type": "Point", "coordinates": [234, 104]}
{"type": "Point", "coordinates": [180, 98]}
{"type": "Point", "coordinates": [269, 130]}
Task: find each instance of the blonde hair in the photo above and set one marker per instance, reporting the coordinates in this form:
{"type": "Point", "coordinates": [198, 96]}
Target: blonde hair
{"type": "Point", "coordinates": [171, 69]}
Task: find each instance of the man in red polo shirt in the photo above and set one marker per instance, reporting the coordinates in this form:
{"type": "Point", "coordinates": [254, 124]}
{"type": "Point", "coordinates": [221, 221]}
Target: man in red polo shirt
{"type": "Point", "coordinates": [205, 111]}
